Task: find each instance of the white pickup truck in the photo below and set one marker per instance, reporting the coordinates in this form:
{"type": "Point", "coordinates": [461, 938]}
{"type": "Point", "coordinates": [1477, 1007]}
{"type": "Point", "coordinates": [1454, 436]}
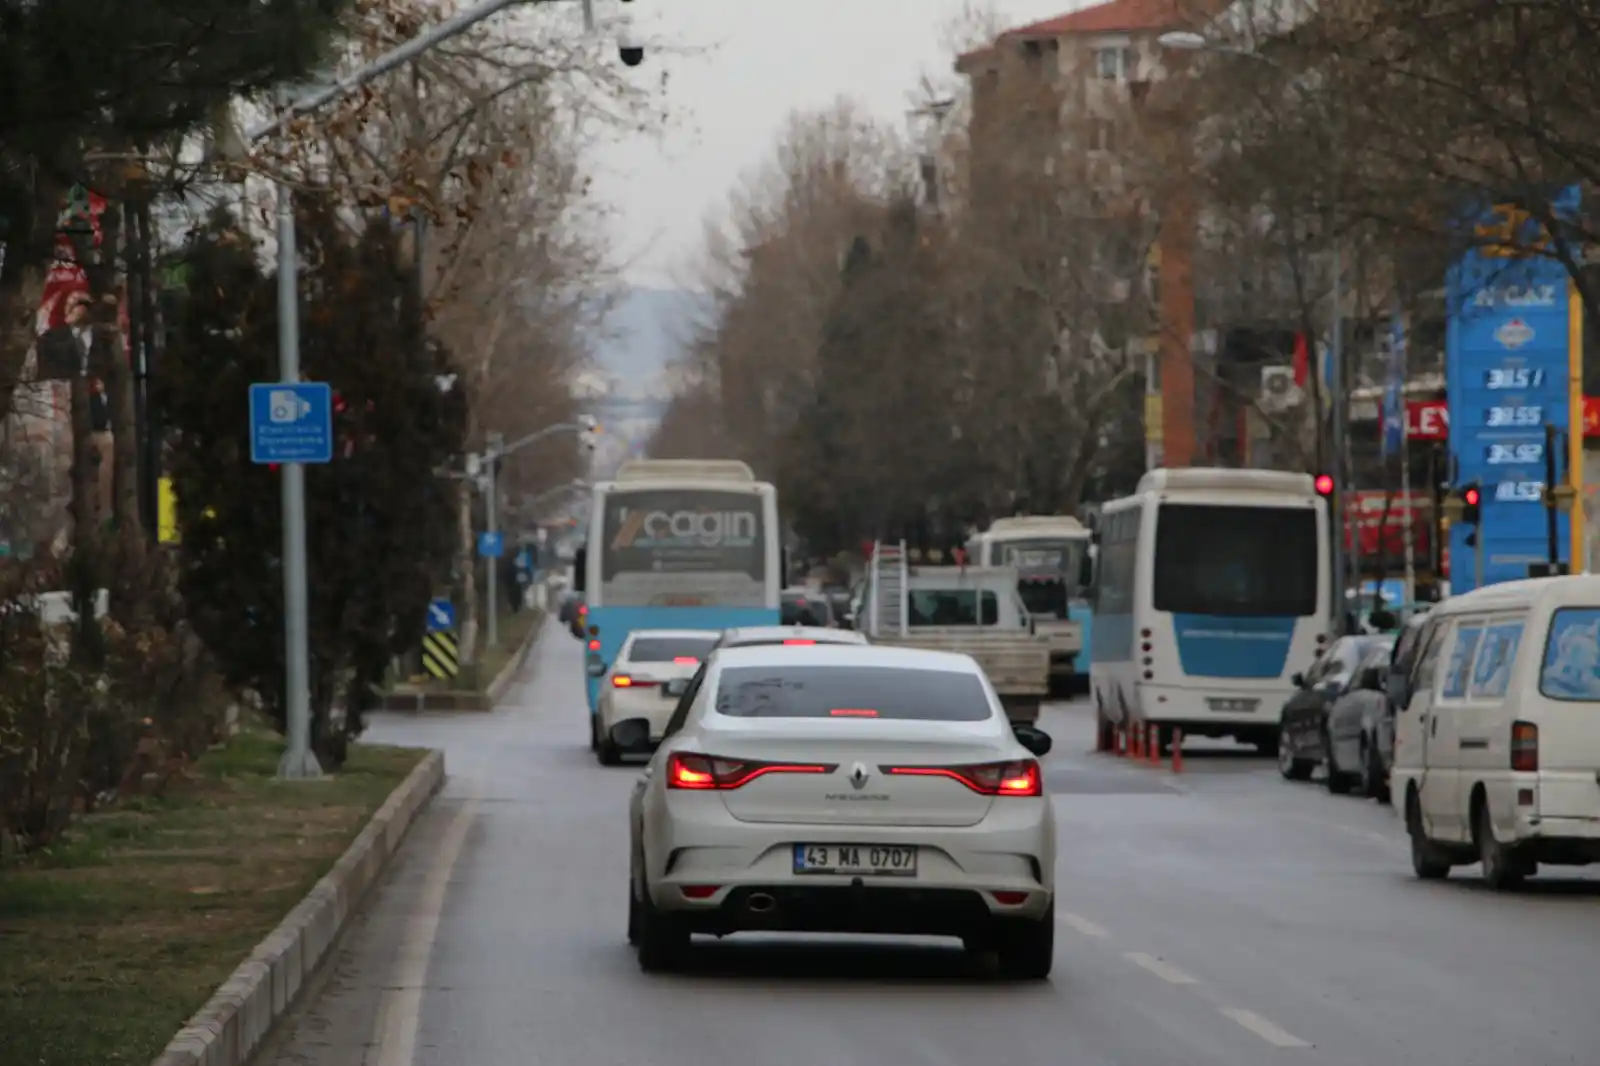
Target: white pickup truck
{"type": "Point", "coordinates": [972, 610]}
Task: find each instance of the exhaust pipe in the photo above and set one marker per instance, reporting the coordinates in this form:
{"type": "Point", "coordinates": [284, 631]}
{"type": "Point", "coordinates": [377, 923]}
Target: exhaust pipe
{"type": "Point", "coordinates": [761, 903]}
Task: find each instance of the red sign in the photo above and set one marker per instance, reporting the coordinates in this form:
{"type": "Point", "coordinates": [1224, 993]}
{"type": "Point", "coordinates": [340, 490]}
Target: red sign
{"type": "Point", "coordinates": [1591, 416]}
{"type": "Point", "coordinates": [1428, 420]}
{"type": "Point", "coordinates": [1380, 519]}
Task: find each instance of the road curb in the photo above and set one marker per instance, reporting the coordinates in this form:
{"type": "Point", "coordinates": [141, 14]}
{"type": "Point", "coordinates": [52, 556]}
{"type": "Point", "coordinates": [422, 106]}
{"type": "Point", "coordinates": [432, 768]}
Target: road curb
{"type": "Point", "coordinates": [232, 1025]}
{"type": "Point", "coordinates": [508, 672]}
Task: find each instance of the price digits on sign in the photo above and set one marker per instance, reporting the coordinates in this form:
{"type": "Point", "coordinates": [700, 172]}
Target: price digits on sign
{"type": "Point", "coordinates": [1502, 454]}
{"type": "Point", "coordinates": [1500, 417]}
{"type": "Point", "coordinates": [1513, 377]}
{"type": "Point", "coordinates": [1519, 491]}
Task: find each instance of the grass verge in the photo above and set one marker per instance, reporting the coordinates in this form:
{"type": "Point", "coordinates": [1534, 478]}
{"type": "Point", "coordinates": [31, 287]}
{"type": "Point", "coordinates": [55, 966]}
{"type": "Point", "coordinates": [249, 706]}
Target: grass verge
{"type": "Point", "coordinates": [514, 629]}
{"type": "Point", "coordinates": [110, 941]}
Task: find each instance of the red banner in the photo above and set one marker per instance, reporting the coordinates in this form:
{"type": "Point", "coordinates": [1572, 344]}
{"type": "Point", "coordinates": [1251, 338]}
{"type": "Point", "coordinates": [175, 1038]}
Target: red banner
{"type": "Point", "coordinates": [1379, 521]}
{"type": "Point", "coordinates": [1427, 420]}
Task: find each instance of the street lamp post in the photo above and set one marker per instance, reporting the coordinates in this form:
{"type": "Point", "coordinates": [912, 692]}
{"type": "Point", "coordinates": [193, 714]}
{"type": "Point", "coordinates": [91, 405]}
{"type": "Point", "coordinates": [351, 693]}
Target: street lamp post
{"type": "Point", "coordinates": [1182, 41]}
{"type": "Point", "coordinates": [486, 466]}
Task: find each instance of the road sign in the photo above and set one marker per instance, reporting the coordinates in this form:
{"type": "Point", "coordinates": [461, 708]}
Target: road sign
{"type": "Point", "coordinates": [441, 616]}
{"type": "Point", "coordinates": [491, 545]}
{"type": "Point", "coordinates": [291, 422]}
{"type": "Point", "coordinates": [439, 655]}
{"type": "Point", "coordinates": [1507, 373]}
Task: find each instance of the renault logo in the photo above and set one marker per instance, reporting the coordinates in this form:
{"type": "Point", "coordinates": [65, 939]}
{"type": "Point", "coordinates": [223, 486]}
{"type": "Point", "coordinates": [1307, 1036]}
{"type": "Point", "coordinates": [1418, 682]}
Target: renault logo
{"type": "Point", "coordinates": [859, 775]}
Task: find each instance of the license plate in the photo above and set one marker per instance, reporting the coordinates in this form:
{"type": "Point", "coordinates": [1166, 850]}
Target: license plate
{"type": "Point", "coordinates": [873, 860]}
{"type": "Point", "coordinates": [1233, 705]}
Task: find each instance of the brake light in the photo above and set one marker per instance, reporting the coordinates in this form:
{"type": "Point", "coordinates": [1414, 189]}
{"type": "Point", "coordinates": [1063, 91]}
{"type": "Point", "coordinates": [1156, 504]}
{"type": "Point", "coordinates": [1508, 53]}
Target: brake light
{"type": "Point", "coordinates": [686, 660]}
{"type": "Point", "coordinates": [987, 779]}
{"type": "Point", "coordinates": [594, 645]}
{"type": "Point", "coordinates": [1524, 747]}
{"type": "Point", "coordinates": [628, 681]}
{"type": "Point", "coordinates": [708, 773]}
{"type": "Point", "coordinates": [799, 641]}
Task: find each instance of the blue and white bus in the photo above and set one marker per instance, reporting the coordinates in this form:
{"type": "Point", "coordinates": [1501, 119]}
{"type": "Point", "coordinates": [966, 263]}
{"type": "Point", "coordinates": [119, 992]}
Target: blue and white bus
{"type": "Point", "coordinates": [1051, 556]}
{"type": "Point", "coordinates": [1211, 593]}
{"type": "Point", "coordinates": [677, 544]}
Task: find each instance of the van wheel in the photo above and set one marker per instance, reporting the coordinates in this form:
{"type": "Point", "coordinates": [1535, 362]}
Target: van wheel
{"type": "Point", "coordinates": [1427, 861]}
{"type": "Point", "coordinates": [1292, 768]}
{"type": "Point", "coordinates": [1338, 781]}
{"type": "Point", "coordinates": [1372, 783]}
{"type": "Point", "coordinates": [1503, 867]}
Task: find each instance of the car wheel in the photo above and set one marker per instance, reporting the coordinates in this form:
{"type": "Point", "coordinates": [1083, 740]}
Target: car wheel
{"type": "Point", "coordinates": [1027, 949]}
{"type": "Point", "coordinates": [1372, 782]}
{"type": "Point", "coordinates": [607, 752]}
{"type": "Point", "coordinates": [663, 938]}
{"type": "Point", "coordinates": [633, 911]}
{"type": "Point", "coordinates": [1338, 781]}
{"type": "Point", "coordinates": [1291, 767]}
{"type": "Point", "coordinates": [1503, 867]}
{"type": "Point", "coordinates": [1427, 861]}
{"type": "Point", "coordinates": [594, 732]}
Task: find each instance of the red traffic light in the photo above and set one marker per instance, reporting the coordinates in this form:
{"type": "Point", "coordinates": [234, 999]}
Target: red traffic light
{"type": "Point", "coordinates": [1324, 484]}
{"type": "Point", "coordinates": [1471, 497]}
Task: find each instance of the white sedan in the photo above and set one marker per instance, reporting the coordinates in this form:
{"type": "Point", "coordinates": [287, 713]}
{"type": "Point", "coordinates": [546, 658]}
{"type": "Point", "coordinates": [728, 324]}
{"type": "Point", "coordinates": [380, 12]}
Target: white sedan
{"type": "Point", "coordinates": [829, 789]}
{"type": "Point", "coordinates": [639, 685]}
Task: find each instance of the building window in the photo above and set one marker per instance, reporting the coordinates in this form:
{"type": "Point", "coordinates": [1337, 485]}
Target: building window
{"type": "Point", "coordinates": [1102, 135]}
{"type": "Point", "coordinates": [1116, 64]}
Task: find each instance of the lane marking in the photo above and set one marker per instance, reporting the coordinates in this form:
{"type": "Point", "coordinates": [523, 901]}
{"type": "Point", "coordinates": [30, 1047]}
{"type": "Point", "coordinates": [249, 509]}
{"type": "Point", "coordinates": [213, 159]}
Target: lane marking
{"type": "Point", "coordinates": [1082, 925]}
{"type": "Point", "coordinates": [1264, 1029]}
{"type": "Point", "coordinates": [1168, 973]}
{"type": "Point", "coordinates": [400, 1010]}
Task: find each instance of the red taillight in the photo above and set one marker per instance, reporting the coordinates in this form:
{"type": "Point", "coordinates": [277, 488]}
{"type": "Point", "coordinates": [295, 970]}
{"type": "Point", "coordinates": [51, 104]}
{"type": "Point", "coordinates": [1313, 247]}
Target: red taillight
{"type": "Point", "coordinates": [988, 779]}
{"type": "Point", "coordinates": [627, 681]}
{"type": "Point", "coordinates": [853, 712]}
{"type": "Point", "coordinates": [797, 641]}
{"type": "Point", "coordinates": [1524, 747]}
{"type": "Point", "coordinates": [710, 773]}
{"type": "Point", "coordinates": [594, 645]}
{"type": "Point", "coordinates": [686, 660]}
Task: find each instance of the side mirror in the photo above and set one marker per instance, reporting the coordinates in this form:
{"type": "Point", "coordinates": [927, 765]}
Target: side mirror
{"type": "Point", "coordinates": [1298, 680]}
{"type": "Point", "coordinates": [580, 568]}
{"type": "Point", "coordinates": [1086, 571]}
{"type": "Point", "coordinates": [676, 687]}
{"type": "Point", "coordinates": [1033, 738]}
{"type": "Point", "coordinates": [631, 735]}
{"type": "Point", "coordinates": [596, 668]}
{"type": "Point", "coordinates": [1397, 689]}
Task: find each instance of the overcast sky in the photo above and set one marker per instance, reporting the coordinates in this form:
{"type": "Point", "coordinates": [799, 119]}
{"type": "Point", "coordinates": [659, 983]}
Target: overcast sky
{"type": "Point", "coordinates": [766, 58]}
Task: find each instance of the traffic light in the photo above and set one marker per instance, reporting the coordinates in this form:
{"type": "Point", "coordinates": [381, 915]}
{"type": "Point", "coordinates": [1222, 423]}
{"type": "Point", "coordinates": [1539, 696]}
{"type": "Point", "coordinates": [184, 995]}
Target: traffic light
{"type": "Point", "coordinates": [1324, 484]}
{"type": "Point", "coordinates": [1471, 501]}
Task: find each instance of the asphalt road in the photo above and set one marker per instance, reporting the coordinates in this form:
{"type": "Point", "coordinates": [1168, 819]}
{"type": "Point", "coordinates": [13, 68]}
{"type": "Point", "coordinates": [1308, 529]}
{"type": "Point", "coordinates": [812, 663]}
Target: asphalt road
{"type": "Point", "coordinates": [1219, 918]}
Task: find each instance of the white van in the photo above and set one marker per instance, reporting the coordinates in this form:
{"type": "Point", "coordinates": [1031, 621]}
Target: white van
{"type": "Point", "coordinates": [1497, 731]}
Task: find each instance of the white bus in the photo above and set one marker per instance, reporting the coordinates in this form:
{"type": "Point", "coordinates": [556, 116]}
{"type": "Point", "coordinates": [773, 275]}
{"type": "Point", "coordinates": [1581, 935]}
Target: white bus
{"type": "Point", "coordinates": [1050, 554]}
{"type": "Point", "coordinates": [1211, 592]}
{"type": "Point", "coordinates": [677, 544]}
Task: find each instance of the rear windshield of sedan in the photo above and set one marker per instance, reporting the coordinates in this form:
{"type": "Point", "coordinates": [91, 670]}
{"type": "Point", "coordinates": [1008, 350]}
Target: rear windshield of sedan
{"type": "Point", "coordinates": [666, 649]}
{"type": "Point", "coordinates": [851, 692]}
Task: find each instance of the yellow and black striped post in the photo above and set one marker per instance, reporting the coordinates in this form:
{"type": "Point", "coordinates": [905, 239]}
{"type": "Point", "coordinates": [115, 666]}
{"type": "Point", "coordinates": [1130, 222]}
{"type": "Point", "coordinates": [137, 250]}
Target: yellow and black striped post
{"type": "Point", "coordinates": [440, 655]}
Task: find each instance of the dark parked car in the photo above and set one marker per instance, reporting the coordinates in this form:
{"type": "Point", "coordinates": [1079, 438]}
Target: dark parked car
{"type": "Point", "coordinates": [1303, 725]}
{"type": "Point", "coordinates": [1358, 731]}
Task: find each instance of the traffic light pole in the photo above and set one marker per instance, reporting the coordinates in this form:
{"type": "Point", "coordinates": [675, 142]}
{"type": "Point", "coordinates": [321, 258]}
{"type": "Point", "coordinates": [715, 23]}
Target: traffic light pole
{"type": "Point", "coordinates": [1552, 525]}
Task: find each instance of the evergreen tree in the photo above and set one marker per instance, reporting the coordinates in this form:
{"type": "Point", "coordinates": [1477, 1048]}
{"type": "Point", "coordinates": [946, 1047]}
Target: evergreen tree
{"type": "Point", "coordinates": [379, 531]}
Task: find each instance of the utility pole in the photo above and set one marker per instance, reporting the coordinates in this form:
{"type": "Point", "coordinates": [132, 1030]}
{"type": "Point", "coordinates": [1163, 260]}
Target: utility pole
{"type": "Point", "coordinates": [491, 517]}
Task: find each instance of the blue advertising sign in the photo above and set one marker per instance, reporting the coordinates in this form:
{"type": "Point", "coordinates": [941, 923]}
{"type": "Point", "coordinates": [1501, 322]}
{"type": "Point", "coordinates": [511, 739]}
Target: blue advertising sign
{"type": "Point", "coordinates": [1506, 370]}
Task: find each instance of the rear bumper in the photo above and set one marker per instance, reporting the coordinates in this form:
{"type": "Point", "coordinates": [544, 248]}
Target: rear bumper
{"type": "Point", "coordinates": [910, 911]}
{"type": "Point", "coordinates": [1011, 850]}
{"type": "Point", "coordinates": [1194, 709]}
{"type": "Point", "coordinates": [653, 708]}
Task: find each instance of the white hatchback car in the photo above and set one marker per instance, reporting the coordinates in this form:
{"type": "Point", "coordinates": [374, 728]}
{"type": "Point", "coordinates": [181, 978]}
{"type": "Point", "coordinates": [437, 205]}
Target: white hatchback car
{"type": "Point", "coordinates": [844, 790]}
{"type": "Point", "coordinates": [639, 683]}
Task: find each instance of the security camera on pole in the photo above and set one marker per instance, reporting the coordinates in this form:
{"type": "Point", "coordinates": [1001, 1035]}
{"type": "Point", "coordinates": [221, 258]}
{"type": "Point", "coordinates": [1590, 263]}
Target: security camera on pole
{"type": "Point", "coordinates": [630, 47]}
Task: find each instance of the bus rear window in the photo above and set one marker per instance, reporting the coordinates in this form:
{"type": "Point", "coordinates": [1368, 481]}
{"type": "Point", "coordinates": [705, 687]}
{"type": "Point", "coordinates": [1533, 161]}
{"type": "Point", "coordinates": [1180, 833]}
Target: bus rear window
{"type": "Point", "coordinates": [1238, 561]}
{"type": "Point", "coordinates": [856, 691]}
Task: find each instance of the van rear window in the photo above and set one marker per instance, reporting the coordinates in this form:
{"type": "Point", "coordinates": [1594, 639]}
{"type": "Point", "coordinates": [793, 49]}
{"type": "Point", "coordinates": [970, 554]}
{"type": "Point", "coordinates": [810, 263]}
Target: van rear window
{"type": "Point", "coordinates": [1571, 667]}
